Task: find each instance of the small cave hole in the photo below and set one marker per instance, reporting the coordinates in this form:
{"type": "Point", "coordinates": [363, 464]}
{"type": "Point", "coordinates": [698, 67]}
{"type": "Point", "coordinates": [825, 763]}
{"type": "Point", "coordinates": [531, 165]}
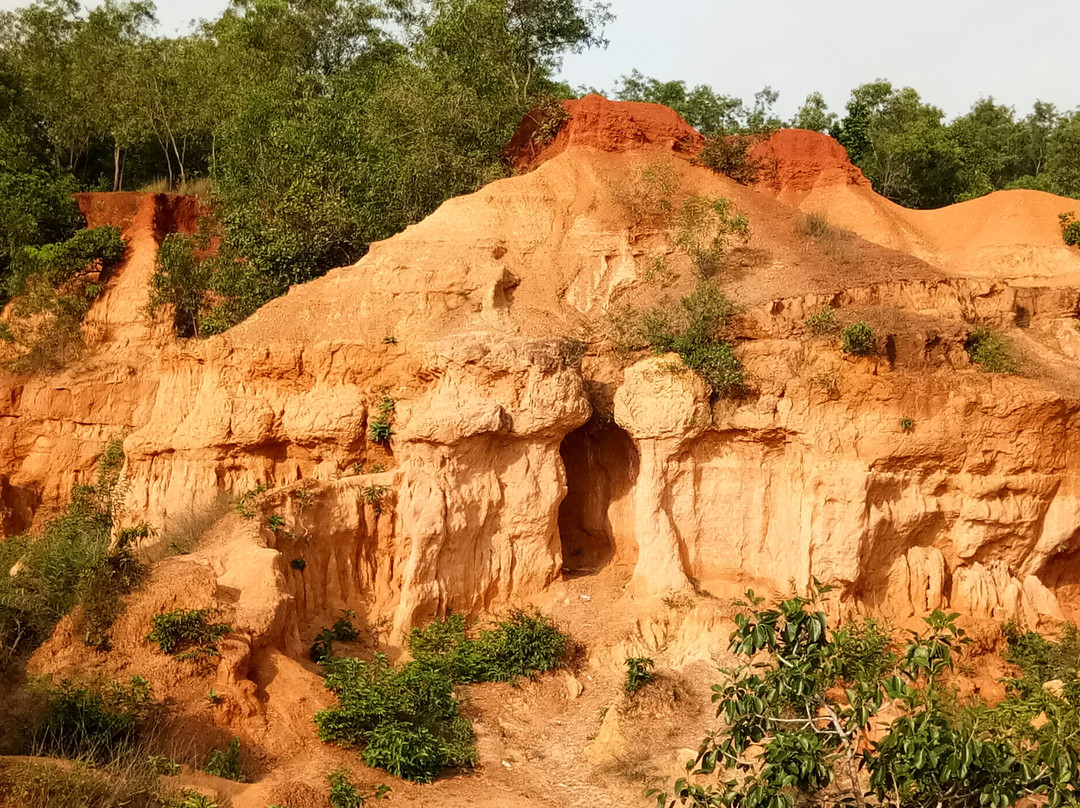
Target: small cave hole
{"type": "Point", "coordinates": [596, 516]}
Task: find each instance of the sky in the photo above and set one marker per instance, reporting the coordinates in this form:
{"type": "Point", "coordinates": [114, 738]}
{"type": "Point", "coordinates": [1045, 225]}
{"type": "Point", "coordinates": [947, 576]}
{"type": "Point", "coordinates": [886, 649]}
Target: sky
{"type": "Point", "coordinates": [952, 51]}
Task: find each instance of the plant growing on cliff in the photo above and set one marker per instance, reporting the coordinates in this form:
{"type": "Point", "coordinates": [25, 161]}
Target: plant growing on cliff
{"type": "Point", "coordinates": [990, 351]}
{"type": "Point", "coordinates": [380, 431]}
{"type": "Point", "coordinates": [53, 286]}
{"type": "Point", "coordinates": [638, 673]}
{"type": "Point", "coordinates": [1070, 228]}
{"type": "Point", "coordinates": [187, 634]}
{"type": "Point", "coordinates": [822, 322]}
{"type": "Point", "coordinates": [807, 709]}
{"type": "Point", "coordinates": [858, 339]}
{"type": "Point", "coordinates": [730, 155]}
{"type": "Point", "coordinates": [226, 763]}
{"type": "Point", "coordinates": [323, 647]}
{"type": "Point", "coordinates": [374, 495]}
{"type": "Point", "coordinates": [95, 721]}
{"type": "Point", "coordinates": [695, 331]}
{"type": "Point", "coordinates": [704, 229]}
{"type": "Point", "coordinates": [69, 564]}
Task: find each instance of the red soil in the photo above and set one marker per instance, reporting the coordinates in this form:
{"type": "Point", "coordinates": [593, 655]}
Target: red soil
{"type": "Point", "coordinates": [797, 160]}
{"type": "Point", "coordinates": [172, 213]}
{"type": "Point", "coordinates": [611, 126]}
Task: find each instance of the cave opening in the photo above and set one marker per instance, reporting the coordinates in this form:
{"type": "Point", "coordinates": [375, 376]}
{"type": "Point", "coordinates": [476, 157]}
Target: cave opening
{"type": "Point", "coordinates": [596, 517]}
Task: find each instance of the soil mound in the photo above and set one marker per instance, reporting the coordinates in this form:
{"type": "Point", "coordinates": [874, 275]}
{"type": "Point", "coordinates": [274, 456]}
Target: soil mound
{"type": "Point", "coordinates": [798, 160]}
{"type": "Point", "coordinates": [597, 123]}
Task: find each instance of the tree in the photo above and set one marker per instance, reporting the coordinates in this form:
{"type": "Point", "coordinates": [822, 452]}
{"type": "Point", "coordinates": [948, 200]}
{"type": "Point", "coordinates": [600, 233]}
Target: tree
{"type": "Point", "coordinates": [814, 115]}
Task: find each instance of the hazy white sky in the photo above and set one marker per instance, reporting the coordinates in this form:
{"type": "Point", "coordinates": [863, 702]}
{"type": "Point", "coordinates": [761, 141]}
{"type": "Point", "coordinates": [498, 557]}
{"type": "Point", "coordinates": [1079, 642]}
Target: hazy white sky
{"type": "Point", "coordinates": [952, 51]}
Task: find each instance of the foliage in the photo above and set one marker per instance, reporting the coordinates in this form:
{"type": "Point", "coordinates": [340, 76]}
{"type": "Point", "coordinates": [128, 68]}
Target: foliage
{"type": "Point", "coordinates": [521, 645]}
{"type": "Point", "coordinates": [823, 322]}
{"type": "Point", "coordinates": [990, 351]}
{"type": "Point", "coordinates": [54, 285]}
{"type": "Point", "coordinates": [907, 424]}
{"type": "Point", "coordinates": [695, 331]}
{"type": "Point", "coordinates": [245, 503]}
{"type": "Point", "coordinates": [343, 794]}
{"type": "Point", "coordinates": [638, 673]}
{"type": "Point", "coordinates": [572, 351]}
{"type": "Point", "coordinates": [323, 647]}
{"type": "Point", "coordinates": [379, 430]}
{"type": "Point", "coordinates": [702, 107]}
{"type": "Point", "coordinates": [858, 339]}
{"type": "Point", "coordinates": [730, 155]}
{"type": "Point", "coordinates": [187, 633]}
{"type": "Point", "coordinates": [68, 565]}
{"type": "Point", "coordinates": [226, 763]}
{"type": "Point", "coordinates": [298, 564]}
{"type": "Point", "coordinates": [93, 721]}
{"type": "Point", "coordinates": [275, 522]}
{"type": "Point", "coordinates": [809, 705]}
{"type": "Point", "coordinates": [374, 495]}
{"type": "Point", "coordinates": [1070, 229]}
{"type": "Point", "coordinates": [552, 116]}
{"type": "Point", "coordinates": [704, 229]}
{"type": "Point", "coordinates": [407, 719]}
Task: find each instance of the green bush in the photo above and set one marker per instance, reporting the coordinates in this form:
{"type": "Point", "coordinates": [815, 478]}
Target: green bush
{"type": "Point", "coordinates": [92, 721]}
{"type": "Point", "coordinates": [98, 249]}
{"type": "Point", "coordinates": [695, 332]}
{"type": "Point", "coordinates": [809, 710]}
{"type": "Point", "coordinates": [522, 645]}
{"type": "Point", "coordinates": [638, 673]}
{"type": "Point", "coordinates": [70, 564]}
{"type": "Point", "coordinates": [1070, 229]}
{"type": "Point", "coordinates": [858, 339]}
{"type": "Point", "coordinates": [225, 763]}
{"type": "Point", "coordinates": [209, 292]}
{"type": "Point", "coordinates": [323, 647]}
{"type": "Point", "coordinates": [730, 155]}
{"type": "Point", "coordinates": [990, 351]}
{"type": "Point", "coordinates": [407, 720]}
{"type": "Point", "coordinates": [36, 784]}
{"type": "Point", "coordinates": [823, 322]}
{"type": "Point", "coordinates": [187, 633]}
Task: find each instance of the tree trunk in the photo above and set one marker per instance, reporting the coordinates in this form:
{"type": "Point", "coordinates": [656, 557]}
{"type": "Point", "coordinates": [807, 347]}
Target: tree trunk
{"type": "Point", "coordinates": [116, 167]}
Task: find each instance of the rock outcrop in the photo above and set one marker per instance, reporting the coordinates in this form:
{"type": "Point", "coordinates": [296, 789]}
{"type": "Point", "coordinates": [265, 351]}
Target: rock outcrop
{"type": "Point", "coordinates": [471, 323]}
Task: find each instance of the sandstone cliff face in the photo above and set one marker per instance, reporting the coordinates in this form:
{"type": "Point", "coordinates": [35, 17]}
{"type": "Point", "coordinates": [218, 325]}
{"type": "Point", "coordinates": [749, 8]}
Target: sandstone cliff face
{"type": "Point", "coordinates": [493, 483]}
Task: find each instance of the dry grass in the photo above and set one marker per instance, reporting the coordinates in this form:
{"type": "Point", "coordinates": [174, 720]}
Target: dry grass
{"type": "Point", "coordinates": [200, 186]}
{"type": "Point", "coordinates": [836, 243]}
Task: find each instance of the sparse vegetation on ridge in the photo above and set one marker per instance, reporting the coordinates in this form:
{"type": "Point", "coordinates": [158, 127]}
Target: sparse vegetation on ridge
{"type": "Point", "coordinates": [858, 339]}
{"type": "Point", "coordinates": [187, 634]}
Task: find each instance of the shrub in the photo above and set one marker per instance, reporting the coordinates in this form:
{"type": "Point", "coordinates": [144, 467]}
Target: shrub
{"type": "Point", "coordinates": [638, 673]}
{"type": "Point", "coordinates": [647, 196]}
{"type": "Point", "coordinates": [70, 564]}
{"type": "Point", "coordinates": [521, 645]}
{"type": "Point", "coordinates": [990, 351]}
{"type": "Point", "coordinates": [92, 721]}
{"type": "Point", "coordinates": [407, 720]}
{"type": "Point", "coordinates": [298, 564]}
{"type": "Point", "coordinates": [572, 351]}
{"type": "Point", "coordinates": [858, 339]}
{"type": "Point", "coordinates": [695, 332]}
{"type": "Point", "coordinates": [730, 155]}
{"type": "Point", "coordinates": [208, 292]}
{"type": "Point", "coordinates": [225, 763]}
{"type": "Point", "coordinates": [343, 794]}
{"type": "Point", "coordinates": [551, 117]}
{"type": "Point", "coordinates": [187, 631]}
{"type": "Point", "coordinates": [1070, 229]}
{"type": "Point", "coordinates": [54, 285]}
{"type": "Point", "coordinates": [907, 424]}
{"type": "Point", "coordinates": [823, 322]}
{"type": "Point", "coordinates": [379, 430]}
{"type": "Point", "coordinates": [323, 647]}
{"type": "Point", "coordinates": [276, 522]}
{"type": "Point", "coordinates": [245, 504]}
{"type": "Point", "coordinates": [374, 495]}
{"type": "Point", "coordinates": [810, 732]}
{"type": "Point", "coordinates": [704, 229]}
